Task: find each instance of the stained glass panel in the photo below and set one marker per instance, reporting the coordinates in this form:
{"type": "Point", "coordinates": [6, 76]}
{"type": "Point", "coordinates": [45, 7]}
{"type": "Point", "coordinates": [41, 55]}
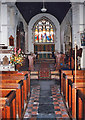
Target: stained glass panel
{"type": "Point", "coordinates": [44, 32]}
{"type": "Point", "coordinates": [36, 35]}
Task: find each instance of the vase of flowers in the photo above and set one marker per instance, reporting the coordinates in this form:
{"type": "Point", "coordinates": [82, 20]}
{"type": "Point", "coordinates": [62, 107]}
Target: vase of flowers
{"type": "Point", "coordinates": [17, 57]}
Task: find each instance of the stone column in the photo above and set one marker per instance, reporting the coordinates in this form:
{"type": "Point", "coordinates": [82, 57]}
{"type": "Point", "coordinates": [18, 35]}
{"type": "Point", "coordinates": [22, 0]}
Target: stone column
{"type": "Point", "coordinates": [75, 24]}
{"type": "Point", "coordinates": [78, 27]}
{"type": "Point", "coordinates": [0, 22]}
{"type": "Point", "coordinates": [4, 31]}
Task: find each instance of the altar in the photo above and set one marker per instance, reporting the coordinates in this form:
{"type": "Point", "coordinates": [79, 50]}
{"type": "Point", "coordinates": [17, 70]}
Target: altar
{"type": "Point", "coordinates": [44, 51]}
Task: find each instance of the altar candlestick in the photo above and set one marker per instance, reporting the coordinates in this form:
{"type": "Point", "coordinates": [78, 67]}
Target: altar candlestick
{"type": "Point", "coordinates": [75, 62]}
{"type": "Point", "coordinates": [75, 80]}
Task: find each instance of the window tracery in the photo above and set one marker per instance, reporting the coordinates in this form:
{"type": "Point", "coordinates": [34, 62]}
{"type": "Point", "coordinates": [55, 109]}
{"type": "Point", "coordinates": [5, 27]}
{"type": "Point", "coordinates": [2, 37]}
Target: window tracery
{"type": "Point", "coordinates": [43, 31]}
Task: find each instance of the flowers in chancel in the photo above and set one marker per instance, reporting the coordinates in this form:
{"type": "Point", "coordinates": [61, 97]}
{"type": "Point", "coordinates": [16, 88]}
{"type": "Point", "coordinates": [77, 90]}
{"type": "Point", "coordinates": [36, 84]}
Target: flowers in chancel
{"type": "Point", "coordinates": [17, 57]}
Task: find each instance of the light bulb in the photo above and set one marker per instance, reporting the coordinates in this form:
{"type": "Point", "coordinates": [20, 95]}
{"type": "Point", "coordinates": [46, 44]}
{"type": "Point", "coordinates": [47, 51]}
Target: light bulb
{"type": "Point", "coordinates": [43, 9]}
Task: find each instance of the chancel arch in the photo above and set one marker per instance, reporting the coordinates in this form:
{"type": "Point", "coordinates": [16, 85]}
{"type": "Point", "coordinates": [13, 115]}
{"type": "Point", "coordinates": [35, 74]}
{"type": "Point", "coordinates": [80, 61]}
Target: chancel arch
{"type": "Point", "coordinates": [53, 28]}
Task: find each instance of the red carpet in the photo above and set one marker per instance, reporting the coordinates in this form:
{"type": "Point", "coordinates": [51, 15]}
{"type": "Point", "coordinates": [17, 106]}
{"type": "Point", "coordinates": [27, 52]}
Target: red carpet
{"type": "Point", "coordinates": [44, 72]}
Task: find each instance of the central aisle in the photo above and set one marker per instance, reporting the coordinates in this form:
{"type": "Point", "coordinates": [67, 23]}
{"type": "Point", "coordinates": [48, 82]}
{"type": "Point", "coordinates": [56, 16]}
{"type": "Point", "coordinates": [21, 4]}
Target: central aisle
{"type": "Point", "coordinates": [46, 101]}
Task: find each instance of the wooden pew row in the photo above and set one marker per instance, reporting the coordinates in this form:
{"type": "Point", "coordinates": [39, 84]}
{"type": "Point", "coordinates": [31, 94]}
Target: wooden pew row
{"type": "Point", "coordinates": [24, 74]}
{"type": "Point", "coordinates": [71, 80]}
{"type": "Point", "coordinates": [67, 88]}
{"type": "Point", "coordinates": [17, 76]}
{"type": "Point", "coordinates": [22, 90]}
{"type": "Point", "coordinates": [80, 104]}
{"type": "Point", "coordinates": [79, 72]}
{"type": "Point", "coordinates": [13, 78]}
{"type": "Point", "coordinates": [65, 85]}
{"type": "Point", "coordinates": [63, 74]}
{"type": "Point", "coordinates": [18, 88]}
{"type": "Point", "coordinates": [68, 74]}
{"type": "Point", "coordinates": [8, 104]}
{"type": "Point", "coordinates": [14, 72]}
{"type": "Point", "coordinates": [72, 88]}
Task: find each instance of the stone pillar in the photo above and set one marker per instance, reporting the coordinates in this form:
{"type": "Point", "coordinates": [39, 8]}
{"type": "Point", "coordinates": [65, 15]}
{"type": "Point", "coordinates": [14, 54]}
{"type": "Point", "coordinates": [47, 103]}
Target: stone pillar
{"type": "Point", "coordinates": [78, 27]}
{"type": "Point", "coordinates": [75, 24]}
{"type": "Point", "coordinates": [4, 31]}
{"type": "Point", "coordinates": [26, 41]}
{"type": "Point", "coordinates": [0, 22]}
{"type": "Point", "coordinates": [82, 28]}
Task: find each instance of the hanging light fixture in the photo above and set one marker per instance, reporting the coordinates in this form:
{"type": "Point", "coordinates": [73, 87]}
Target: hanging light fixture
{"type": "Point", "coordinates": [43, 9]}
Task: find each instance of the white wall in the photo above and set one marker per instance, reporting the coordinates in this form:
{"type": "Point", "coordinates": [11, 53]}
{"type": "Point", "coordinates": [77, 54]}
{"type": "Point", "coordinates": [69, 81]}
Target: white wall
{"type": "Point", "coordinates": [78, 27]}
{"type": "Point", "coordinates": [0, 22]}
{"type": "Point", "coordinates": [9, 19]}
{"type": "Point", "coordinates": [4, 31]}
{"type": "Point", "coordinates": [14, 17]}
{"type": "Point", "coordinates": [30, 26]}
{"type": "Point", "coordinates": [82, 28]}
{"type": "Point", "coordinates": [65, 28]}
{"type": "Point", "coordinates": [77, 22]}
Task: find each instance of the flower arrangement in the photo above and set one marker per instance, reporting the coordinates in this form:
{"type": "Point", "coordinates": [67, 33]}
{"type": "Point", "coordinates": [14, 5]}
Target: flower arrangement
{"type": "Point", "coordinates": [17, 57]}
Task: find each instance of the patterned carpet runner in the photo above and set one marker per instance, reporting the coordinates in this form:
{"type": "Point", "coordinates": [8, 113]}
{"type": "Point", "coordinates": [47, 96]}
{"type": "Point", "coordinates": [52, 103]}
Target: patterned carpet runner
{"type": "Point", "coordinates": [46, 105]}
{"type": "Point", "coordinates": [44, 72]}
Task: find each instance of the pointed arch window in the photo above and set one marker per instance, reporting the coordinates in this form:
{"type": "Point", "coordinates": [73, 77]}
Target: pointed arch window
{"type": "Point", "coordinates": [43, 31]}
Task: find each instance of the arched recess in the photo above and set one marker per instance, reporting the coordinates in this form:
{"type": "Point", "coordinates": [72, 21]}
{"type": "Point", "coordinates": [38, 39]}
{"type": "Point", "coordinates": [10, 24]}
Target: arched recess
{"type": "Point", "coordinates": [20, 37]}
{"type": "Point", "coordinates": [30, 30]}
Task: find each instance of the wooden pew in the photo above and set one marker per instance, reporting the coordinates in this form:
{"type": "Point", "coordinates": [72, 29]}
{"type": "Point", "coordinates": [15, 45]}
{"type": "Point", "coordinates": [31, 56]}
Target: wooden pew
{"type": "Point", "coordinates": [63, 84]}
{"type": "Point", "coordinates": [2, 112]}
{"type": "Point", "coordinates": [18, 88]}
{"type": "Point", "coordinates": [8, 104]}
{"type": "Point", "coordinates": [79, 79]}
{"type": "Point", "coordinates": [13, 78]}
{"type": "Point", "coordinates": [72, 87]}
{"type": "Point", "coordinates": [12, 75]}
{"type": "Point", "coordinates": [22, 89]}
{"type": "Point", "coordinates": [68, 80]}
{"type": "Point", "coordinates": [80, 104]}
{"type": "Point", "coordinates": [23, 73]}
{"type": "Point", "coordinates": [65, 91]}
{"type": "Point", "coordinates": [79, 72]}
{"type": "Point", "coordinates": [66, 75]}
{"type": "Point", "coordinates": [14, 72]}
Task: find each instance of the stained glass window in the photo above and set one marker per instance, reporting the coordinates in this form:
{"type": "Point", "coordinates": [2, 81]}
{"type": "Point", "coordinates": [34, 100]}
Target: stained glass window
{"type": "Point", "coordinates": [44, 32]}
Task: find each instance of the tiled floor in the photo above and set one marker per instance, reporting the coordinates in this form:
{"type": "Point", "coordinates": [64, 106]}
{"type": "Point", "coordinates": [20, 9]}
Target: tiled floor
{"type": "Point", "coordinates": [59, 107]}
{"type": "Point", "coordinates": [33, 105]}
{"type": "Point", "coordinates": [46, 103]}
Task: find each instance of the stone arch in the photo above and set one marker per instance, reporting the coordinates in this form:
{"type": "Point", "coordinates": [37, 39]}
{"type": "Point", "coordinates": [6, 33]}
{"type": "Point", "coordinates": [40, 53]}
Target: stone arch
{"type": "Point", "coordinates": [31, 24]}
{"type": "Point", "coordinates": [47, 20]}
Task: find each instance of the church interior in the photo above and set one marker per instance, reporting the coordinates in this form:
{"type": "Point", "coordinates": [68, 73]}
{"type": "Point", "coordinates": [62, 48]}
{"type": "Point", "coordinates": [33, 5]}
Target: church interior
{"type": "Point", "coordinates": [42, 54]}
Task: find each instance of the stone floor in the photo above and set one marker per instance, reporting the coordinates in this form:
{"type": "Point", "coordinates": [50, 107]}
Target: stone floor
{"type": "Point", "coordinates": [46, 102]}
